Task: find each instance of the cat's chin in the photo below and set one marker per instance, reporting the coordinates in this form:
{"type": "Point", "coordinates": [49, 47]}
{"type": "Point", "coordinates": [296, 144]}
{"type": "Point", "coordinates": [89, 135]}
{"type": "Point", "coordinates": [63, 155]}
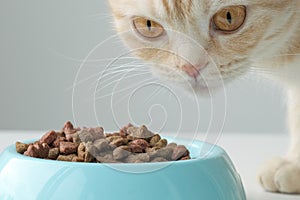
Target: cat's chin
{"type": "Point", "coordinates": [198, 89]}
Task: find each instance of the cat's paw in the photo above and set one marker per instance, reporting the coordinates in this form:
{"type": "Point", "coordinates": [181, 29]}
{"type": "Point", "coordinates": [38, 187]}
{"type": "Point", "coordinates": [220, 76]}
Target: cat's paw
{"type": "Point", "coordinates": [280, 175]}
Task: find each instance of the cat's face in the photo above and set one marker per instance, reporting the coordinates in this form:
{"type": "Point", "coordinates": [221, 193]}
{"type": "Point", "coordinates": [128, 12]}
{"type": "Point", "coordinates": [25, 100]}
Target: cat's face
{"type": "Point", "coordinates": [197, 42]}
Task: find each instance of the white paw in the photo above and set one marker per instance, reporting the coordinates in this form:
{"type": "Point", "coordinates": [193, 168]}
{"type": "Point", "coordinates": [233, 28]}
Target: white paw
{"type": "Point", "coordinates": [280, 175]}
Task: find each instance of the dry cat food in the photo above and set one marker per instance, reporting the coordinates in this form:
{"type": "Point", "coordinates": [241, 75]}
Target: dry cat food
{"type": "Point", "coordinates": [130, 145]}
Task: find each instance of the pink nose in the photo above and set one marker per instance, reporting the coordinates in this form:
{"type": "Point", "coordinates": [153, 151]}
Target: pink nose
{"type": "Point", "coordinates": [191, 70]}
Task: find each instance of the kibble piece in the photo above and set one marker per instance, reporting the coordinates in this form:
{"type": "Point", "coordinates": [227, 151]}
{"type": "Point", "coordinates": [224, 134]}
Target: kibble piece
{"type": "Point", "coordinates": [125, 147]}
{"type": "Point", "coordinates": [97, 132]}
{"type": "Point", "coordinates": [31, 151]}
{"type": "Point", "coordinates": [91, 148]}
{"type": "Point", "coordinates": [138, 161]}
{"type": "Point", "coordinates": [69, 131]}
{"type": "Point", "coordinates": [69, 137]}
{"type": "Point", "coordinates": [123, 130]}
{"type": "Point", "coordinates": [68, 147]}
{"type": "Point", "coordinates": [120, 152]}
{"type": "Point", "coordinates": [88, 157]}
{"type": "Point", "coordinates": [130, 159]}
{"type": "Point", "coordinates": [137, 158]}
{"type": "Point", "coordinates": [185, 158]}
{"type": "Point", "coordinates": [77, 159]}
{"type": "Point", "coordinates": [145, 133]}
{"type": "Point", "coordinates": [139, 132]}
{"type": "Point", "coordinates": [21, 147]}
{"type": "Point", "coordinates": [143, 157]}
{"type": "Point", "coordinates": [161, 143]}
{"type": "Point", "coordinates": [108, 158]}
{"type": "Point", "coordinates": [154, 140]}
{"type": "Point", "coordinates": [113, 137]}
{"type": "Point", "coordinates": [53, 153]}
{"type": "Point", "coordinates": [163, 152]}
{"type": "Point", "coordinates": [136, 149]}
{"type": "Point", "coordinates": [76, 138]}
{"type": "Point", "coordinates": [172, 145]}
{"type": "Point", "coordinates": [58, 140]}
{"type": "Point", "coordinates": [130, 137]}
{"type": "Point", "coordinates": [37, 150]}
{"type": "Point", "coordinates": [118, 142]}
{"type": "Point", "coordinates": [60, 134]}
{"type": "Point", "coordinates": [151, 150]}
{"type": "Point", "coordinates": [108, 135]}
{"type": "Point", "coordinates": [159, 159]}
{"type": "Point", "coordinates": [179, 152]}
{"type": "Point", "coordinates": [102, 145]}
{"type": "Point", "coordinates": [81, 150]}
{"type": "Point", "coordinates": [72, 135]}
{"type": "Point", "coordinates": [68, 128]}
{"type": "Point", "coordinates": [49, 137]}
{"type": "Point", "coordinates": [85, 136]}
{"type": "Point", "coordinates": [84, 154]}
{"type": "Point", "coordinates": [67, 158]}
{"type": "Point", "coordinates": [140, 142]}
{"type": "Point", "coordinates": [91, 134]}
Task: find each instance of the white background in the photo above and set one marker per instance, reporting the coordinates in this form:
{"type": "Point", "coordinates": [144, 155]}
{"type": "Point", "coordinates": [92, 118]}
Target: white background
{"type": "Point", "coordinates": [42, 44]}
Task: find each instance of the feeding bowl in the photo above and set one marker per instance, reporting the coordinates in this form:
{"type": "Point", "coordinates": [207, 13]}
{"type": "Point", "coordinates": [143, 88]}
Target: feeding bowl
{"type": "Point", "coordinates": [212, 177]}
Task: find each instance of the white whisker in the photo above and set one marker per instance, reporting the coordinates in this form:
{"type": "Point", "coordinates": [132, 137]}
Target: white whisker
{"type": "Point", "coordinates": [117, 73]}
{"type": "Point", "coordinates": [114, 81]}
{"type": "Point", "coordinates": [126, 95]}
{"type": "Point", "coordinates": [98, 15]}
{"type": "Point", "coordinates": [89, 60]}
{"type": "Point", "coordinates": [282, 55]}
{"type": "Point", "coordinates": [122, 90]}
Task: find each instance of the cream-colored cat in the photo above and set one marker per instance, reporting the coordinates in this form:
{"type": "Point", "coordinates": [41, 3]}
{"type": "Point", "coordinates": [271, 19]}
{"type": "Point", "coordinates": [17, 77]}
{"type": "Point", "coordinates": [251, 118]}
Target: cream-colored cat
{"type": "Point", "coordinates": [194, 43]}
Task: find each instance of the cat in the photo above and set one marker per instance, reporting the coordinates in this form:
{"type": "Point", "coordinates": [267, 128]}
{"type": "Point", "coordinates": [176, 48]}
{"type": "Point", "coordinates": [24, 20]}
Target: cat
{"type": "Point", "coordinates": [200, 44]}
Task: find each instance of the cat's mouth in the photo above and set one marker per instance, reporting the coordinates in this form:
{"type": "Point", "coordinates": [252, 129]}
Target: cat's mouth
{"type": "Point", "coordinates": [210, 79]}
{"type": "Point", "coordinates": [202, 84]}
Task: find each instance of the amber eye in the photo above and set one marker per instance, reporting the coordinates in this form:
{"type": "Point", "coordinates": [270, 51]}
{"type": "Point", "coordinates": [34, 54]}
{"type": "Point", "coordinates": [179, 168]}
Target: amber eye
{"type": "Point", "coordinates": [148, 28]}
{"type": "Point", "coordinates": [230, 18]}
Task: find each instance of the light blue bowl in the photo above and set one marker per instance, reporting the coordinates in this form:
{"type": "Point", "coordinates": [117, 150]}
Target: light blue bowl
{"type": "Point", "coordinates": [211, 178]}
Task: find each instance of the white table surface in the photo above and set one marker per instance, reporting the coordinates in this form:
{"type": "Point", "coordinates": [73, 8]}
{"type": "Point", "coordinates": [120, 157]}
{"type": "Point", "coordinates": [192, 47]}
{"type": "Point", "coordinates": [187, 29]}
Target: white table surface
{"type": "Point", "coordinates": [247, 151]}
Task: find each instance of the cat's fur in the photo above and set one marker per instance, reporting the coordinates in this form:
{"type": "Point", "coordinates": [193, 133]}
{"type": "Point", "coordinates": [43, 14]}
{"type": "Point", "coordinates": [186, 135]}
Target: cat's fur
{"type": "Point", "coordinates": [269, 40]}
